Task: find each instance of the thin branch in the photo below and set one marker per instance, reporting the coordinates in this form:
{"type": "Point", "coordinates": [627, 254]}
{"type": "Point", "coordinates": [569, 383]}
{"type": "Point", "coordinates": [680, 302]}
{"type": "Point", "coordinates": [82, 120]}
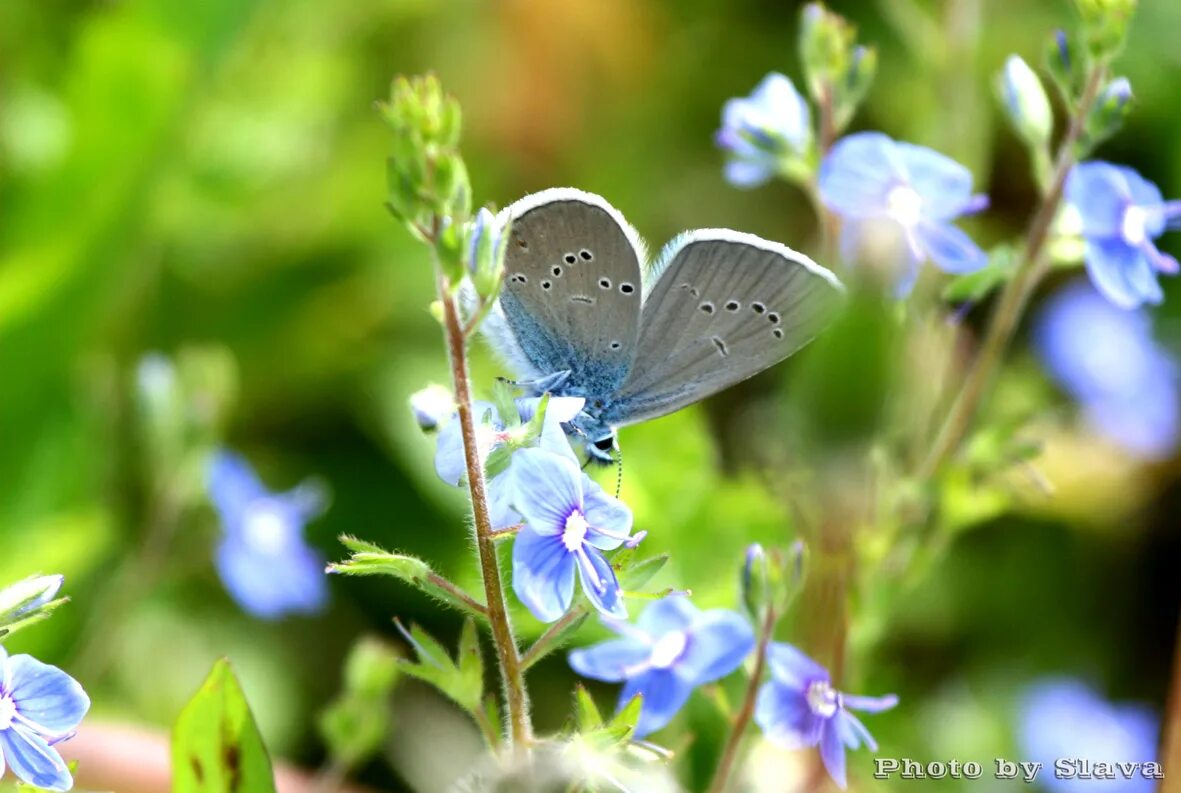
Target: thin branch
{"type": "Point", "coordinates": [439, 582]}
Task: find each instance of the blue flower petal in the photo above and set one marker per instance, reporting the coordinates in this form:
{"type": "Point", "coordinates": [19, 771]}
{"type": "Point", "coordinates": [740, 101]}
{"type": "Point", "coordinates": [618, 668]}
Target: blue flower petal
{"type": "Point", "coordinates": [664, 692]}
{"type": "Point", "coordinates": [543, 574]}
{"type": "Point", "coordinates": [1101, 194]}
{"type": "Point", "coordinates": [450, 463]}
{"type": "Point", "coordinates": [1122, 273]}
{"type": "Point", "coordinates": [870, 704]}
{"type": "Point", "coordinates": [783, 715]}
{"type": "Point", "coordinates": [46, 695]}
{"type": "Point", "coordinates": [610, 660]}
{"type": "Point", "coordinates": [944, 185]}
{"type": "Point", "coordinates": [233, 483]}
{"type": "Point", "coordinates": [747, 174]}
{"type": "Point", "coordinates": [858, 173]}
{"type": "Point", "coordinates": [951, 249]}
{"type": "Point", "coordinates": [600, 584]}
{"type": "Point", "coordinates": [500, 500]}
{"type": "Point", "coordinates": [606, 513]}
{"type": "Point", "coordinates": [34, 761]}
{"type": "Point", "coordinates": [782, 109]}
{"type": "Point", "coordinates": [1148, 196]}
{"type": "Point", "coordinates": [791, 667]}
{"type": "Point", "coordinates": [272, 585]}
{"type": "Point", "coordinates": [547, 487]}
{"type": "Point", "coordinates": [853, 732]}
{"type": "Point", "coordinates": [832, 752]}
{"type": "Point", "coordinates": [673, 613]}
{"type": "Point", "coordinates": [718, 643]}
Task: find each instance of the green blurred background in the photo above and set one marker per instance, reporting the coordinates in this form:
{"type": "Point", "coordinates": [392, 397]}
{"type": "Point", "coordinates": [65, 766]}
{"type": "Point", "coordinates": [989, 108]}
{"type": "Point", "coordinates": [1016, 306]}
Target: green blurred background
{"type": "Point", "coordinates": [178, 174]}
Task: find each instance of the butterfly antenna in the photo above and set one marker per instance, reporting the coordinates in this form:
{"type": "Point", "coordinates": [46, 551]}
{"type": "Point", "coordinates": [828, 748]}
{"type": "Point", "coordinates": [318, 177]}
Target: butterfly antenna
{"type": "Point", "coordinates": [618, 469]}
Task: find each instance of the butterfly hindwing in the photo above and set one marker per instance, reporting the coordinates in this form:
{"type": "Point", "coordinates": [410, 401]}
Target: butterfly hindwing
{"type": "Point", "coordinates": [572, 289]}
{"type": "Point", "coordinates": [723, 307]}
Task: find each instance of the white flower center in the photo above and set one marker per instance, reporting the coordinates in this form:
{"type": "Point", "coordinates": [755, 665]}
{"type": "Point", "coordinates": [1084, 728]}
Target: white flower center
{"type": "Point", "coordinates": [823, 699]}
{"type": "Point", "coordinates": [575, 531]}
{"type": "Point", "coordinates": [7, 711]}
{"type": "Point", "coordinates": [668, 649]}
{"type": "Point", "coordinates": [904, 204]}
{"type": "Point", "coordinates": [1135, 224]}
{"type": "Point", "coordinates": [266, 531]}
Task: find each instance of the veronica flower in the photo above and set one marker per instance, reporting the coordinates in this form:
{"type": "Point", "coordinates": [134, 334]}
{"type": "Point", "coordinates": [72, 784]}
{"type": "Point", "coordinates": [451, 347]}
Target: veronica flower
{"type": "Point", "coordinates": [1107, 359]}
{"type": "Point", "coordinates": [1122, 213]}
{"type": "Point", "coordinates": [263, 559]}
{"type": "Point", "coordinates": [1064, 718]}
{"type": "Point", "coordinates": [672, 649]}
{"type": "Point", "coordinates": [569, 522]}
{"type": "Point", "coordinates": [868, 178]}
{"type": "Point", "coordinates": [798, 708]}
{"type": "Point", "coordinates": [763, 130]}
{"type": "Point", "coordinates": [491, 432]}
{"type": "Point", "coordinates": [40, 706]}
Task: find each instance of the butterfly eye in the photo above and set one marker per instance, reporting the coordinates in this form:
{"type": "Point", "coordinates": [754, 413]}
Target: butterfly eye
{"type": "Point", "coordinates": [605, 444]}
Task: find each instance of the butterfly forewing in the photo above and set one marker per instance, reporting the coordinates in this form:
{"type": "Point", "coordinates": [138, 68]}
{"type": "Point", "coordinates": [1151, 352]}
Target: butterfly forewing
{"type": "Point", "coordinates": [572, 288]}
{"type": "Point", "coordinates": [726, 306]}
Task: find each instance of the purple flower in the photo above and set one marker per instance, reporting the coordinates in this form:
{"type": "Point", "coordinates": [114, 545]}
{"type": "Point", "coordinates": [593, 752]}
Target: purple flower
{"type": "Point", "coordinates": [1064, 718]}
{"type": "Point", "coordinates": [672, 649]}
{"type": "Point", "coordinates": [569, 522]}
{"type": "Point", "coordinates": [798, 708]}
{"type": "Point", "coordinates": [1122, 213]}
{"type": "Point", "coordinates": [763, 130]}
{"type": "Point", "coordinates": [40, 705]}
{"type": "Point", "coordinates": [868, 178]}
{"type": "Point", "coordinates": [492, 432]}
{"type": "Point", "coordinates": [1106, 358]}
{"type": "Point", "coordinates": [263, 559]}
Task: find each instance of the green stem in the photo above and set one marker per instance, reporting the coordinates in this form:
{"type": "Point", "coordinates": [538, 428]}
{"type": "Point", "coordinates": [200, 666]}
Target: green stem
{"type": "Point", "coordinates": [1030, 271]}
{"type": "Point", "coordinates": [734, 742]}
{"type": "Point", "coordinates": [511, 671]}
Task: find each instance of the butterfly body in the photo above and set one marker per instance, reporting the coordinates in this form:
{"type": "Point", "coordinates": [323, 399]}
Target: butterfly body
{"type": "Point", "coordinates": [580, 316]}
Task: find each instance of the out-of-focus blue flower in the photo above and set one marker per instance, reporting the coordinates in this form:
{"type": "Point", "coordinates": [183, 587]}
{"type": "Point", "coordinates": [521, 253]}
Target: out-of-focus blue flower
{"type": "Point", "coordinates": [672, 649]}
{"type": "Point", "coordinates": [431, 407]}
{"type": "Point", "coordinates": [1122, 213]}
{"type": "Point", "coordinates": [868, 177]}
{"type": "Point", "coordinates": [492, 431]}
{"type": "Point", "coordinates": [1064, 718]}
{"type": "Point", "coordinates": [798, 708]}
{"type": "Point", "coordinates": [1106, 358]}
{"type": "Point", "coordinates": [263, 559]}
{"type": "Point", "coordinates": [28, 596]}
{"type": "Point", "coordinates": [569, 522]}
{"type": "Point", "coordinates": [762, 130]}
{"type": "Point", "coordinates": [40, 705]}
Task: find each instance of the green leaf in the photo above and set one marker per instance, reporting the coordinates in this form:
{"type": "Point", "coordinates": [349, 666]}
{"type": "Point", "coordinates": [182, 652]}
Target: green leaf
{"type": "Point", "coordinates": [971, 287]}
{"type": "Point", "coordinates": [216, 746]}
{"type": "Point", "coordinates": [624, 722]}
{"type": "Point", "coordinates": [471, 665]}
{"type": "Point", "coordinates": [465, 686]}
{"type": "Point", "coordinates": [633, 577]}
{"type": "Point", "coordinates": [586, 711]}
{"type": "Point", "coordinates": [555, 636]}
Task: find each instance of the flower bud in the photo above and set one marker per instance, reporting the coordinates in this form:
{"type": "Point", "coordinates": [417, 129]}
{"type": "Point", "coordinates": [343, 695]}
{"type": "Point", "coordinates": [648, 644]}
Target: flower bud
{"type": "Point", "coordinates": [25, 598]}
{"type": "Point", "coordinates": [431, 407]}
{"type": "Point", "coordinates": [1110, 110]}
{"type": "Point", "coordinates": [1025, 102]}
{"type": "Point", "coordinates": [487, 244]}
{"type": "Point", "coordinates": [756, 582]}
{"type": "Point", "coordinates": [1105, 25]}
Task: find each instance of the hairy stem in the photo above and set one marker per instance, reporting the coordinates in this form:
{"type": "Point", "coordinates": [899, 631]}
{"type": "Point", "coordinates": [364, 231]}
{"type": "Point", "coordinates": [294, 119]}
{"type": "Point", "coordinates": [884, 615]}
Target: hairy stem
{"type": "Point", "coordinates": [734, 742]}
{"type": "Point", "coordinates": [1171, 746]}
{"type": "Point", "coordinates": [1030, 271]}
{"type": "Point", "coordinates": [511, 672]}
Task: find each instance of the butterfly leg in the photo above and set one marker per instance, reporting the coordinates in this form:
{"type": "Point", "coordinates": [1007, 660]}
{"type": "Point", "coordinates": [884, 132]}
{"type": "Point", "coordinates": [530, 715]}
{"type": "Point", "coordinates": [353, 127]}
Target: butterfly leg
{"type": "Point", "coordinates": [541, 385]}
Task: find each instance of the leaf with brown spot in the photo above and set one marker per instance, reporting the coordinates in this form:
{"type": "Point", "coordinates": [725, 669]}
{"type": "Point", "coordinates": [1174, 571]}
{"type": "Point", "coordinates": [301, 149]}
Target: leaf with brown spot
{"type": "Point", "coordinates": [216, 746]}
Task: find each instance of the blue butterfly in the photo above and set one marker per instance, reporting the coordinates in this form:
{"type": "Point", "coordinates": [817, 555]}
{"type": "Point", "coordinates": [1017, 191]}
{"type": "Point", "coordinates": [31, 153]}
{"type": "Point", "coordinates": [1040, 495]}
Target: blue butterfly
{"type": "Point", "coordinates": [578, 317]}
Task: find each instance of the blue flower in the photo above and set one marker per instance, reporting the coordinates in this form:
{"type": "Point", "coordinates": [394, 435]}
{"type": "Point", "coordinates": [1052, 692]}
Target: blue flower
{"type": "Point", "coordinates": [763, 130]}
{"type": "Point", "coordinates": [491, 432]}
{"type": "Point", "coordinates": [1106, 358]}
{"type": "Point", "coordinates": [1122, 213]}
{"type": "Point", "coordinates": [798, 708]}
{"type": "Point", "coordinates": [569, 522]}
{"type": "Point", "coordinates": [263, 559]}
{"type": "Point", "coordinates": [40, 705]}
{"type": "Point", "coordinates": [672, 649]}
{"type": "Point", "coordinates": [867, 178]}
{"type": "Point", "coordinates": [1064, 718]}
